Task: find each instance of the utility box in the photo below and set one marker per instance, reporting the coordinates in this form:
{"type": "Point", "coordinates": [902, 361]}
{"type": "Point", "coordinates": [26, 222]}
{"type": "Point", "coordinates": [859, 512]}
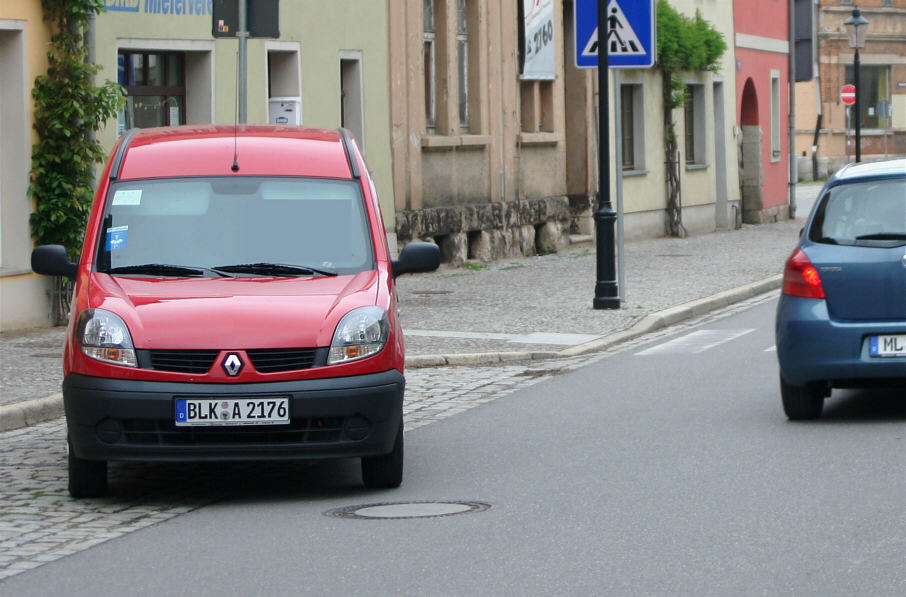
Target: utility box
{"type": "Point", "coordinates": [284, 110]}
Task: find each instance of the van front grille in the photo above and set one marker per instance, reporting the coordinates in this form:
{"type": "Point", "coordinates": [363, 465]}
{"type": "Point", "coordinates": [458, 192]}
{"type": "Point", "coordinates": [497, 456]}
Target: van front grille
{"type": "Point", "coordinates": [183, 361]}
{"type": "Point", "coordinates": [282, 359]}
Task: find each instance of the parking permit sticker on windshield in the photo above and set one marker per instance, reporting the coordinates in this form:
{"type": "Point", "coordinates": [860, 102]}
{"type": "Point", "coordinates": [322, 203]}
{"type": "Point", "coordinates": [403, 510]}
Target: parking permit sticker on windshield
{"type": "Point", "coordinates": [128, 197]}
{"type": "Point", "coordinates": [116, 238]}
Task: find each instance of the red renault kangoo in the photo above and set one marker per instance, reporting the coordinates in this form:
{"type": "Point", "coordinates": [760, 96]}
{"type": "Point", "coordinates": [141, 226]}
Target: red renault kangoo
{"type": "Point", "coordinates": [234, 300]}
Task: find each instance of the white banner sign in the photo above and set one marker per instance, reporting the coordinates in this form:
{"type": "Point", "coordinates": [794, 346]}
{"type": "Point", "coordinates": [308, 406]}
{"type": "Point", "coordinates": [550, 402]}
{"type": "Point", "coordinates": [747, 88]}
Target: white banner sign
{"type": "Point", "coordinates": [539, 39]}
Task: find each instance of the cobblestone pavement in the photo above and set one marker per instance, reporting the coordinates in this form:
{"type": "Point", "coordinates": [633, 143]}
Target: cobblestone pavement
{"type": "Point", "coordinates": [40, 523]}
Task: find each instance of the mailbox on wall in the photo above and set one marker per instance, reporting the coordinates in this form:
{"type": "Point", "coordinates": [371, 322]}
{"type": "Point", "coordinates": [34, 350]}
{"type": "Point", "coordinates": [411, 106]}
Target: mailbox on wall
{"type": "Point", "coordinates": [284, 110]}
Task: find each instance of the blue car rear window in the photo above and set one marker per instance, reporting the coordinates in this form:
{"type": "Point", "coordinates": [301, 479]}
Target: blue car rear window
{"type": "Point", "coordinates": [870, 213]}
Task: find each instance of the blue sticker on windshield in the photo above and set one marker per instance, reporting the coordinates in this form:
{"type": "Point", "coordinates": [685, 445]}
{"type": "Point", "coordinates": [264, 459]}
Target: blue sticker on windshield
{"type": "Point", "coordinates": [116, 238]}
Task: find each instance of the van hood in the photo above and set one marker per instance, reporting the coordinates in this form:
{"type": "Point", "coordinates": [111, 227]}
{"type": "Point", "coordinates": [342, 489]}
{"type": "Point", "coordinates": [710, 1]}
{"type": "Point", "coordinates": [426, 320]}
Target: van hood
{"type": "Point", "coordinates": [232, 313]}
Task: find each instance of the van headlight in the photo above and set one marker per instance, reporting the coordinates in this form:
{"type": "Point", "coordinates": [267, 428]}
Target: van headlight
{"type": "Point", "coordinates": [361, 333]}
{"type": "Point", "coordinates": [104, 336]}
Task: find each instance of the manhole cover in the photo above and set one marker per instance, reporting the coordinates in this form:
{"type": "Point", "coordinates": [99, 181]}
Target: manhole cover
{"type": "Point", "coordinates": [400, 510]}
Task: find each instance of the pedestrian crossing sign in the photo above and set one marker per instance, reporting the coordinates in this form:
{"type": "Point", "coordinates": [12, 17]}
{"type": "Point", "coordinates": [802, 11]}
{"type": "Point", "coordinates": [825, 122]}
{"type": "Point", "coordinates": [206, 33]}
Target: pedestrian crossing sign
{"type": "Point", "coordinates": [630, 33]}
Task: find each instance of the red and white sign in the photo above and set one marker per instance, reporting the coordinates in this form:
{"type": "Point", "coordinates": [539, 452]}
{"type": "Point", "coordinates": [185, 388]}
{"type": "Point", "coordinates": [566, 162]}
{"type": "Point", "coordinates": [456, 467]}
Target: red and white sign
{"type": "Point", "coordinates": [848, 94]}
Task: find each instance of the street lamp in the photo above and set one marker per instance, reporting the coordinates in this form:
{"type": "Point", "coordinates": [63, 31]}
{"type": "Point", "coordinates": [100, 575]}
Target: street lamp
{"type": "Point", "coordinates": [856, 30]}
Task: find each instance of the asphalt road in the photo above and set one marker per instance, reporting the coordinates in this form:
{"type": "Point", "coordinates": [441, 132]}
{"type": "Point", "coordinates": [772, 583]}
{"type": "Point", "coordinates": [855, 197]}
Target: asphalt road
{"type": "Point", "coordinates": [666, 468]}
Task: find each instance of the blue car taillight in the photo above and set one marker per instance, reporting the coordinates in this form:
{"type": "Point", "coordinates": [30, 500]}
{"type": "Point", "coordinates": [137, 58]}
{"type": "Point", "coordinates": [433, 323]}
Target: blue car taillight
{"type": "Point", "coordinates": [800, 278]}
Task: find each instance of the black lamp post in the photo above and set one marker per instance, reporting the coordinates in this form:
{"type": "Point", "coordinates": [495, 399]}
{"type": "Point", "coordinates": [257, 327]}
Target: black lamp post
{"type": "Point", "coordinates": [607, 294]}
{"type": "Point", "coordinates": [856, 29]}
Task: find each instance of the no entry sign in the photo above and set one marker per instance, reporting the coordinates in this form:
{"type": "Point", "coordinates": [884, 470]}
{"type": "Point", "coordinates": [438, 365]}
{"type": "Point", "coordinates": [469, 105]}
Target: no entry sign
{"type": "Point", "coordinates": [848, 94]}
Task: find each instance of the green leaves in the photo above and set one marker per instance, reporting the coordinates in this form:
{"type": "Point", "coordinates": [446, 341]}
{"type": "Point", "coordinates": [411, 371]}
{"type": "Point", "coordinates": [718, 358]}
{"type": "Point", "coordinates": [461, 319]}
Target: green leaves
{"type": "Point", "coordinates": [684, 43]}
{"type": "Point", "coordinates": [69, 109]}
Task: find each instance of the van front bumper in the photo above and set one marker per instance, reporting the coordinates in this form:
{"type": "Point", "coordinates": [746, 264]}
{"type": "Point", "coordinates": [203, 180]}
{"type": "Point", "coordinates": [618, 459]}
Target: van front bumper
{"type": "Point", "coordinates": [116, 419]}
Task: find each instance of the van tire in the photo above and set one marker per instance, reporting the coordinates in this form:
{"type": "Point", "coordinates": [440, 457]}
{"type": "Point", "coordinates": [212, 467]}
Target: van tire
{"type": "Point", "coordinates": [87, 478]}
{"type": "Point", "coordinates": [385, 471]}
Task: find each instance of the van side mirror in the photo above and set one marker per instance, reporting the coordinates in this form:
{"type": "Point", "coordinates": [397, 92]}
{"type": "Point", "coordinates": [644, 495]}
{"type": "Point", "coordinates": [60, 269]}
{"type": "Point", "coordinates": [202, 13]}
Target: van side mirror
{"type": "Point", "coordinates": [416, 258]}
{"type": "Point", "coordinates": [51, 260]}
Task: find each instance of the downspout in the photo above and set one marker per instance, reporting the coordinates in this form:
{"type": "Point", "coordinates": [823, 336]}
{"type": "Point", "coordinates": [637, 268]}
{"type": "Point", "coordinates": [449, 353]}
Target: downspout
{"type": "Point", "coordinates": [791, 75]}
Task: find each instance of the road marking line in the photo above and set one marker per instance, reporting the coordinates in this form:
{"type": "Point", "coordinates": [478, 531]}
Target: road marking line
{"type": "Point", "coordinates": [696, 342]}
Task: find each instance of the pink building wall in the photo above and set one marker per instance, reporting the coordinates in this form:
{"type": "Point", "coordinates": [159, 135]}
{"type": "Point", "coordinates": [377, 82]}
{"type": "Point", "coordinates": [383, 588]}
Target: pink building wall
{"type": "Point", "coordinates": [761, 46]}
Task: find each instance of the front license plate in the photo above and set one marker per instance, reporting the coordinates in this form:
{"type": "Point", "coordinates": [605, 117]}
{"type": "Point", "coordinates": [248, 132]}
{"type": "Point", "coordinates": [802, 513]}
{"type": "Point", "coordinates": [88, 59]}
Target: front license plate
{"type": "Point", "coordinates": [209, 412]}
{"type": "Point", "coordinates": [893, 345]}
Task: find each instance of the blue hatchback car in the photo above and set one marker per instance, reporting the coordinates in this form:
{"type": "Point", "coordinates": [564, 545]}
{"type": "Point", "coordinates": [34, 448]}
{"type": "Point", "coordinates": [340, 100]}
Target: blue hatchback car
{"type": "Point", "coordinates": [841, 320]}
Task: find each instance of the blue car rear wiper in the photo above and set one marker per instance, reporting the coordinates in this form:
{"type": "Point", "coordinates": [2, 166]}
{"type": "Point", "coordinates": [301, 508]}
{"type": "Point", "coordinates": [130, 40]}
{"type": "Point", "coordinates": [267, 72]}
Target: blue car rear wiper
{"type": "Point", "coordinates": [166, 269]}
{"type": "Point", "coordinates": [883, 236]}
{"type": "Point", "coordinates": [275, 269]}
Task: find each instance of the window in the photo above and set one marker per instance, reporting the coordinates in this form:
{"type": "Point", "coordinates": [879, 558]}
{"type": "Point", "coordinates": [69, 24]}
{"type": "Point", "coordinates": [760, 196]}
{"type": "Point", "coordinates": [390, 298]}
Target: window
{"type": "Point", "coordinates": [430, 57]}
{"type": "Point", "coordinates": [450, 55]}
{"type": "Point", "coordinates": [537, 106]}
{"type": "Point", "coordinates": [632, 126]}
{"type": "Point", "coordinates": [462, 62]}
{"type": "Point", "coordinates": [695, 124]}
{"type": "Point", "coordinates": [155, 87]}
{"type": "Point", "coordinates": [352, 106]}
{"type": "Point", "coordinates": [775, 115]}
{"type": "Point", "coordinates": [874, 87]}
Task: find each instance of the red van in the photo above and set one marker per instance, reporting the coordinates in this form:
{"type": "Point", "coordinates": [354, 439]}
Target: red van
{"type": "Point", "coordinates": [234, 300]}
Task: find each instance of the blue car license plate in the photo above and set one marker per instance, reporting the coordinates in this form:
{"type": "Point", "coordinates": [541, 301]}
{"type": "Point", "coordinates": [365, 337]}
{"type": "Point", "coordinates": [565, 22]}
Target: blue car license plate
{"type": "Point", "coordinates": [891, 345]}
{"type": "Point", "coordinates": [208, 412]}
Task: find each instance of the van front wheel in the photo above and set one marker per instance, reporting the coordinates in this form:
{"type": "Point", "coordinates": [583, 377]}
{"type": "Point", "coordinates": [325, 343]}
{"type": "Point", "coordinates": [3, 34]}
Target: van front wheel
{"type": "Point", "coordinates": [87, 478]}
{"type": "Point", "coordinates": [385, 471]}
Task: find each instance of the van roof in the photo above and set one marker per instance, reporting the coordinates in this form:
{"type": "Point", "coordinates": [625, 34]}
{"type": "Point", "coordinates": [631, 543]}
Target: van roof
{"type": "Point", "coordinates": [208, 150]}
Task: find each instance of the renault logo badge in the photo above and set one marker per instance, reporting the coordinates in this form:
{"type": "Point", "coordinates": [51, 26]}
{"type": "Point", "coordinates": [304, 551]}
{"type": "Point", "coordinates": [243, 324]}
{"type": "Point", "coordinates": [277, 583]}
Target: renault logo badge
{"type": "Point", "coordinates": [232, 364]}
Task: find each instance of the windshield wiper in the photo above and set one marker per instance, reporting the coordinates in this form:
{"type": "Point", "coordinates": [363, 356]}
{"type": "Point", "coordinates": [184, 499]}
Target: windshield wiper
{"type": "Point", "coordinates": [165, 269]}
{"type": "Point", "coordinates": [828, 240]}
{"type": "Point", "coordinates": [883, 236]}
{"type": "Point", "coordinates": [275, 269]}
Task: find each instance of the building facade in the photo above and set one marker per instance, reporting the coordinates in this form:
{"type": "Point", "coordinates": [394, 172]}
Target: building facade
{"type": "Point", "coordinates": [492, 159]}
{"type": "Point", "coordinates": [24, 299]}
{"type": "Point", "coordinates": [825, 138]}
{"type": "Point", "coordinates": [762, 46]}
{"type": "Point", "coordinates": [320, 68]}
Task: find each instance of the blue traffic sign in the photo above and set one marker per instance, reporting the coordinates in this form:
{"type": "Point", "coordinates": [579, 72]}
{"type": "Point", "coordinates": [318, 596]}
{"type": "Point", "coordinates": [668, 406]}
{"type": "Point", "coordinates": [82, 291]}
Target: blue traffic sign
{"type": "Point", "coordinates": [630, 33]}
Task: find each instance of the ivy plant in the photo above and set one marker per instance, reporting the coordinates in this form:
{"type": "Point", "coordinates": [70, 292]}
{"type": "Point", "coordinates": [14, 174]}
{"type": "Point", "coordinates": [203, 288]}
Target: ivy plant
{"type": "Point", "coordinates": [68, 110]}
{"type": "Point", "coordinates": [684, 44]}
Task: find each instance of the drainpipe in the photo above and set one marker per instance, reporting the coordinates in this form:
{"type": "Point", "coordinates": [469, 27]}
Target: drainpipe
{"type": "Point", "coordinates": [794, 173]}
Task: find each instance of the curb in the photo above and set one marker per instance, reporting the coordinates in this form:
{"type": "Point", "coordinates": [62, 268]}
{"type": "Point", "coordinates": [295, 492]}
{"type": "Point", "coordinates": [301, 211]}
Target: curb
{"type": "Point", "coordinates": [32, 412]}
{"type": "Point", "coordinates": [649, 323]}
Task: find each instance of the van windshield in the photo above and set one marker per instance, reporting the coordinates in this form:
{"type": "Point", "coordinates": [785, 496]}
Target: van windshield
{"type": "Point", "coordinates": [249, 226]}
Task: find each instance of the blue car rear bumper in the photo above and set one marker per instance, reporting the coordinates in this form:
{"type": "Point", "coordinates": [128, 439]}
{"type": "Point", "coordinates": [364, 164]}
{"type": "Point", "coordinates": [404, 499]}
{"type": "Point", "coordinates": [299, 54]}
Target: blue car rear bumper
{"type": "Point", "coordinates": [813, 347]}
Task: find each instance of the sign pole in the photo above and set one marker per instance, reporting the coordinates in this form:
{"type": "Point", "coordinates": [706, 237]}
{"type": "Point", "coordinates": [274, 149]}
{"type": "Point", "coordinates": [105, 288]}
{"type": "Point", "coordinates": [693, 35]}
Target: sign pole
{"type": "Point", "coordinates": [606, 291]}
{"type": "Point", "coordinates": [243, 35]}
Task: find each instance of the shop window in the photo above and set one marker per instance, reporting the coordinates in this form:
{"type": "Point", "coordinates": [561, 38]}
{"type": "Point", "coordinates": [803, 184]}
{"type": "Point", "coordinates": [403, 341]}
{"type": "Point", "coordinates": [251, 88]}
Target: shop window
{"type": "Point", "coordinates": [155, 84]}
{"type": "Point", "coordinates": [873, 87]}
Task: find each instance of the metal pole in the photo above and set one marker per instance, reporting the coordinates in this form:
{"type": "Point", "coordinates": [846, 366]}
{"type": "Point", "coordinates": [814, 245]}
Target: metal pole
{"type": "Point", "coordinates": [243, 61]}
{"type": "Point", "coordinates": [606, 291]}
{"type": "Point", "coordinates": [858, 116]}
{"type": "Point", "coordinates": [618, 147]}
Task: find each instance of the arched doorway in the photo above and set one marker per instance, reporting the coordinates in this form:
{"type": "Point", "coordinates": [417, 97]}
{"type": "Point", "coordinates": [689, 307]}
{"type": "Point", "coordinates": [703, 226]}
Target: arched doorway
{"type": "Point", "coordinates": [751, 168]}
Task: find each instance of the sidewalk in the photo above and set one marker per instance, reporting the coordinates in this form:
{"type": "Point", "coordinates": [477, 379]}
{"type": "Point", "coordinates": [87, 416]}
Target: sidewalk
{"type": "Point", "coordinates": [531, 308]}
